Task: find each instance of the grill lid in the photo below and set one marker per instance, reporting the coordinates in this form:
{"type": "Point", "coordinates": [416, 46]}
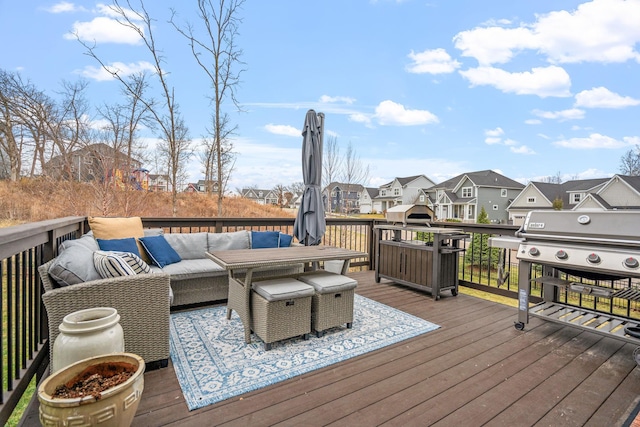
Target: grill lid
{"type": "Point", "coordinates": [592, 227]}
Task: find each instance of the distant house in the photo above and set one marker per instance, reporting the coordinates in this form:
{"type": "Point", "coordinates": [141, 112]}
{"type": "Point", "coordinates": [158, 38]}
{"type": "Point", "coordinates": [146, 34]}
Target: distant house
{"type": "Point", "coordinates": [158, 182]}
{"type": "Point", "coordinates": [366, 197]}
{"type": "Point", "coordinates": [202, 186]}
{"type": "Point", "coordinates": [545, 195]}
{"type": "Point", "coordinates": [401, 191]}
{"type": "Point", "coordinates": [262, 197]}
{"type": "Point", "coordinates": [462, 197]}
{"type": "Point", "coordinates": [620, 192]}
{"type": "Point", "coordinates": [342, 197]}
{"type": "Point", "coordinates": [96, 162]}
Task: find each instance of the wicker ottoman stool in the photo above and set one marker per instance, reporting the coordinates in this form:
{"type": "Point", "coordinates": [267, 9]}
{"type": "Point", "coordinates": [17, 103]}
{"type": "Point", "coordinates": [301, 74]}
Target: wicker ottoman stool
{"type": "Point", "coordinates": [332, 303]}
{"type": "Point", "coordinates": [281, 309]}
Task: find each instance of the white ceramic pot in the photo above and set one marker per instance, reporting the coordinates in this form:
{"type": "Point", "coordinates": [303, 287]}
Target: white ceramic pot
{"type": "Point", "coordinates": [87, 333]}
{"type": "Point", "coordinates": [115, 406]}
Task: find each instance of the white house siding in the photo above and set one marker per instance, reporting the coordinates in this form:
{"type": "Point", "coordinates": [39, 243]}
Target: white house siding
{"type": "Point", "coordinates": [520, 202]}
{"type": "Point", "coordinates": [618, 193]}
{"type": "Point", "coordinates": [589, 204]}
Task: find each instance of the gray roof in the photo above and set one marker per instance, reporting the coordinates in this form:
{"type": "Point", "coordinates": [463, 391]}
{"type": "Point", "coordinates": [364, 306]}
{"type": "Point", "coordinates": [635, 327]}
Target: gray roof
{"type": "Point", "coordinates": [485, 178]}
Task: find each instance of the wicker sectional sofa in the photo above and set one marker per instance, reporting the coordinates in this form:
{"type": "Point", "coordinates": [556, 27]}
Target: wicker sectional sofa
{"type": "Point", "coordinates": [144, 300]}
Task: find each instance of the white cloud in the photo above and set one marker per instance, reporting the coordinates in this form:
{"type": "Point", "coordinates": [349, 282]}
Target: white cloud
{"type": "Point", "coordinates": [522, 149]}
{"type": "Point", "coordinates": [596, 31]}
{"type": "Point", "coordinates": [389, 113]}
{"type": "Point", "coordinates": [360, 118]}
{"type": "Point", "coordinates": [510, 142]}
{"type": "Point", "coordinates": [103, 30]}
{"type": "Point", "coordinates": [340, 99]}
{"type": "Point", "coordinates": [601, 97]}
{"type": "Point", "coordinates": [561, 116]}
{"type": "Point", "coordinates": [64, 7]}
{"type": "Point", "coordinates": [599, 31]}
{"type": "Point", "coordinates": [436, 61]}
{"type": "Point", "coordinates": [494, 45]}
{"type": "Point", "coordinates": [595, 141]}
{"type": "Point", "coordinates": [494, 132]}
{"type": "Point", "coordinates": [286, 130]}
{"type": "Point", "coordinates": [493, 136]}
{"type": "Point", "coordinates": [540, 81]}
{"type": "Point", "coordinates": [100, 74]}
{"type": "Point", "coordinates": [533, 121]}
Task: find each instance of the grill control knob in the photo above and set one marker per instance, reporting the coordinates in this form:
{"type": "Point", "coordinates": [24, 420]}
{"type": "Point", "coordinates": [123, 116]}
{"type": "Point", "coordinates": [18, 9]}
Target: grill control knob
{"type": "Point", "coordinates": [594, 258]}
{"type": "Point", "coordinates": [534, 252]}
{"type": "Point", "coordinates": [631, 263]}
{"type": "Point", "coordinates": [562, 254]}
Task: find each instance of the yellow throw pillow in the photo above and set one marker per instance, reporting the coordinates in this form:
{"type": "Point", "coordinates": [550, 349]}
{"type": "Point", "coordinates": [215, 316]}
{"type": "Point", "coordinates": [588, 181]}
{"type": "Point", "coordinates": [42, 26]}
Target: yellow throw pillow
{"type": "Point", "coordinates": [119, 228]}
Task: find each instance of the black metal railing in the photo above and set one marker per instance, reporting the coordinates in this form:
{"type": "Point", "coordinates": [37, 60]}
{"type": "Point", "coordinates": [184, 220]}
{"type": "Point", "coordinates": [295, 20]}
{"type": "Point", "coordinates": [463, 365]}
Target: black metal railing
{"type": "Point", "coordinates": [24, 332]}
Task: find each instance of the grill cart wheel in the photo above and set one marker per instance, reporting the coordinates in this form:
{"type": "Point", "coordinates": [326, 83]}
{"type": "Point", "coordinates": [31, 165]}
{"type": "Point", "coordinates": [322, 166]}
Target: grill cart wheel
{"type": "Point", "coordinates": [636, 355]}
{"type": "Point", "coordinates": [519, 326]}
{"type": "Point", "coordinates": [454, 292]}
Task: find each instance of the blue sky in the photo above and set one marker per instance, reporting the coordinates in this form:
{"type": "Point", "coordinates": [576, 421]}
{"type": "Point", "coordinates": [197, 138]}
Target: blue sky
{"type": "Point", "coordinates": [528, 88]}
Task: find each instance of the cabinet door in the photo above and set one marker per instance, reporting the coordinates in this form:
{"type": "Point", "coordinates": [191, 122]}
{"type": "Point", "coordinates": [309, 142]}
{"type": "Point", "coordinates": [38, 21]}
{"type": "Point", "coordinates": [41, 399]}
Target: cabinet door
{"type": "Point", "coordinates": [418, 266]}
{"type": "Point", "coordinates": [390, 260]}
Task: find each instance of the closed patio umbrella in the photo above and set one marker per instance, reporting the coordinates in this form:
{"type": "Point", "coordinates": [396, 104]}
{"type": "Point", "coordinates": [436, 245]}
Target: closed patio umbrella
{"type": "Point", "coordinates": [310, 225]}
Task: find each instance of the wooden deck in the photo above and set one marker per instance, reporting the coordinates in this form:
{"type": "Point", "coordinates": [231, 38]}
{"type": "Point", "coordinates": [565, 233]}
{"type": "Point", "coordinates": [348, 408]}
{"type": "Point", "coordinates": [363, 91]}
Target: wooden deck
{"type": "Point", "coordinates": [477, 369]}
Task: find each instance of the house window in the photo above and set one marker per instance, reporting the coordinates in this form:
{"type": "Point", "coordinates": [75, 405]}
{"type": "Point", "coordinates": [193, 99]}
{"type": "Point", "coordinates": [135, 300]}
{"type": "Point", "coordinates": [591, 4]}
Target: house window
{"type": "Point", "coordinates": [467, 192]}
{"type": "Point", "coordinates": [396, 191]}
{"type": "Point", "coordinates": [576, 197]}
{"type": "Point", "coordinates": [422, 197]}
{"type": "Point", "coordinates": [260, 194]}
{"type": "Point", "coordinates": [383, 192]}
{"type": "Point", "coordinates": [333, 193]}
{"type": "Point", "coordinates": [495, 207]}
{"type": "Point", "coordinates": [503, 192]}
{"type": "Point", "coordinates": [531, 199]}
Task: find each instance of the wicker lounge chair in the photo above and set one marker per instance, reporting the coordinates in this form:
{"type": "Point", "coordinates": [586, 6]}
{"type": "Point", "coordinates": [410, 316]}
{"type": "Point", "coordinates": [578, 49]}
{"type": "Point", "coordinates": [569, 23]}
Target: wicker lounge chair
{"type": "Point", "coordinates": [142, 302]}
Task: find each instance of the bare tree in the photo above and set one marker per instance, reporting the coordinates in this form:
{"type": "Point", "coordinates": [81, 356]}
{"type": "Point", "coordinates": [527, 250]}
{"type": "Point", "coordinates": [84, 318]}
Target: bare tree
{"type": "Point", "coordinates": [174, 136]}
{"type": "Point", "coordinates": [123, 123]}
{"type": "Point", "coordinates": [10, 129]}
{"type": "Point", "coordinates": [281, 192]}
{"type": "Point", "coordinates": [218, 56]}
{"type": "Point", "coordinates": [630, 162]}
{"type": "Point", "coordinates": [354, 173]}
{"type": "Point", "coordinates": [554, 179]}
{"type": "Point", "coordinates": [331, 165]}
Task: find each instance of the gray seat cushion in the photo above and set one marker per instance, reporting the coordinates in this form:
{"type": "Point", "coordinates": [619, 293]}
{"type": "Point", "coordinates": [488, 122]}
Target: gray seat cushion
{"type": "Point", "coordinates": [325, 282]}
{"type": "Point", "coordinates": [192, 269]}
{"type": "Point", "coordinates": [281, 289]}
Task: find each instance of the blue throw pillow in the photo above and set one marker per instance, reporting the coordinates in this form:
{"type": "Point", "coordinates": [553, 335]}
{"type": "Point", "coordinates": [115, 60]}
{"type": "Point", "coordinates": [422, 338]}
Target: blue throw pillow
{"type": "Point", "coordinates": [119, 245]}
{"type": "Point", "coordinates": [264, 239]}
{"type": "Point", "coordinates": [285, 240]}
{"type": "Point", "coordinates": [159, 250]}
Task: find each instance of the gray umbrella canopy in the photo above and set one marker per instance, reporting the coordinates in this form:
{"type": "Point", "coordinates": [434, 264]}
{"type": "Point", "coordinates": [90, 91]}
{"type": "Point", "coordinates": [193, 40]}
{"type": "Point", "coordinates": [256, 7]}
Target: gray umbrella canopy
{"type": "Point", "coordinates": [310, 225]}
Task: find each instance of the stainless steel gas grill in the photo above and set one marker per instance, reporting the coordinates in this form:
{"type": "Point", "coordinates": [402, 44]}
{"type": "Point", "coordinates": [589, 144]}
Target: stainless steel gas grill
{"type": "Point", "coordinates": [581, 259]}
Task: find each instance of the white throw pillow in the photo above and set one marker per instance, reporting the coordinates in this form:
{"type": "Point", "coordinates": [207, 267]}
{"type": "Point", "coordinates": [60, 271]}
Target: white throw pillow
{"type": "Point", "coordinates": [116, 264]}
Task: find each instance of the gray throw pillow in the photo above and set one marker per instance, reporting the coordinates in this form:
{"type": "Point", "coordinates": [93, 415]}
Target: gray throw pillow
{"type": "Point", "coordinates": [74, 265]}
{"type": "Point", "coordinates": [188, 245]}
{"type": "Point", "coordinates": [229, 240]}
{"type": "Point", "coordinates": [86, 240]}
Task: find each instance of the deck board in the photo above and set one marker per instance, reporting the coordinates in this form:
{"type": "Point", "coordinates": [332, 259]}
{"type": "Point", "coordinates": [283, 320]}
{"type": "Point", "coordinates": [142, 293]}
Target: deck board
{"type": "Point", "coordinates": [477, 369]}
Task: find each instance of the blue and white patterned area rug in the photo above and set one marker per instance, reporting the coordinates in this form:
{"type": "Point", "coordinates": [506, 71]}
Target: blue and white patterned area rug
{"type": "Point", "coordinates": [213, 363]}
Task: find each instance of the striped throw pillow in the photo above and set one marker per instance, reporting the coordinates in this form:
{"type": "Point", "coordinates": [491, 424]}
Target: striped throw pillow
{"type": "Point", "coordinates": [115, 264]}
